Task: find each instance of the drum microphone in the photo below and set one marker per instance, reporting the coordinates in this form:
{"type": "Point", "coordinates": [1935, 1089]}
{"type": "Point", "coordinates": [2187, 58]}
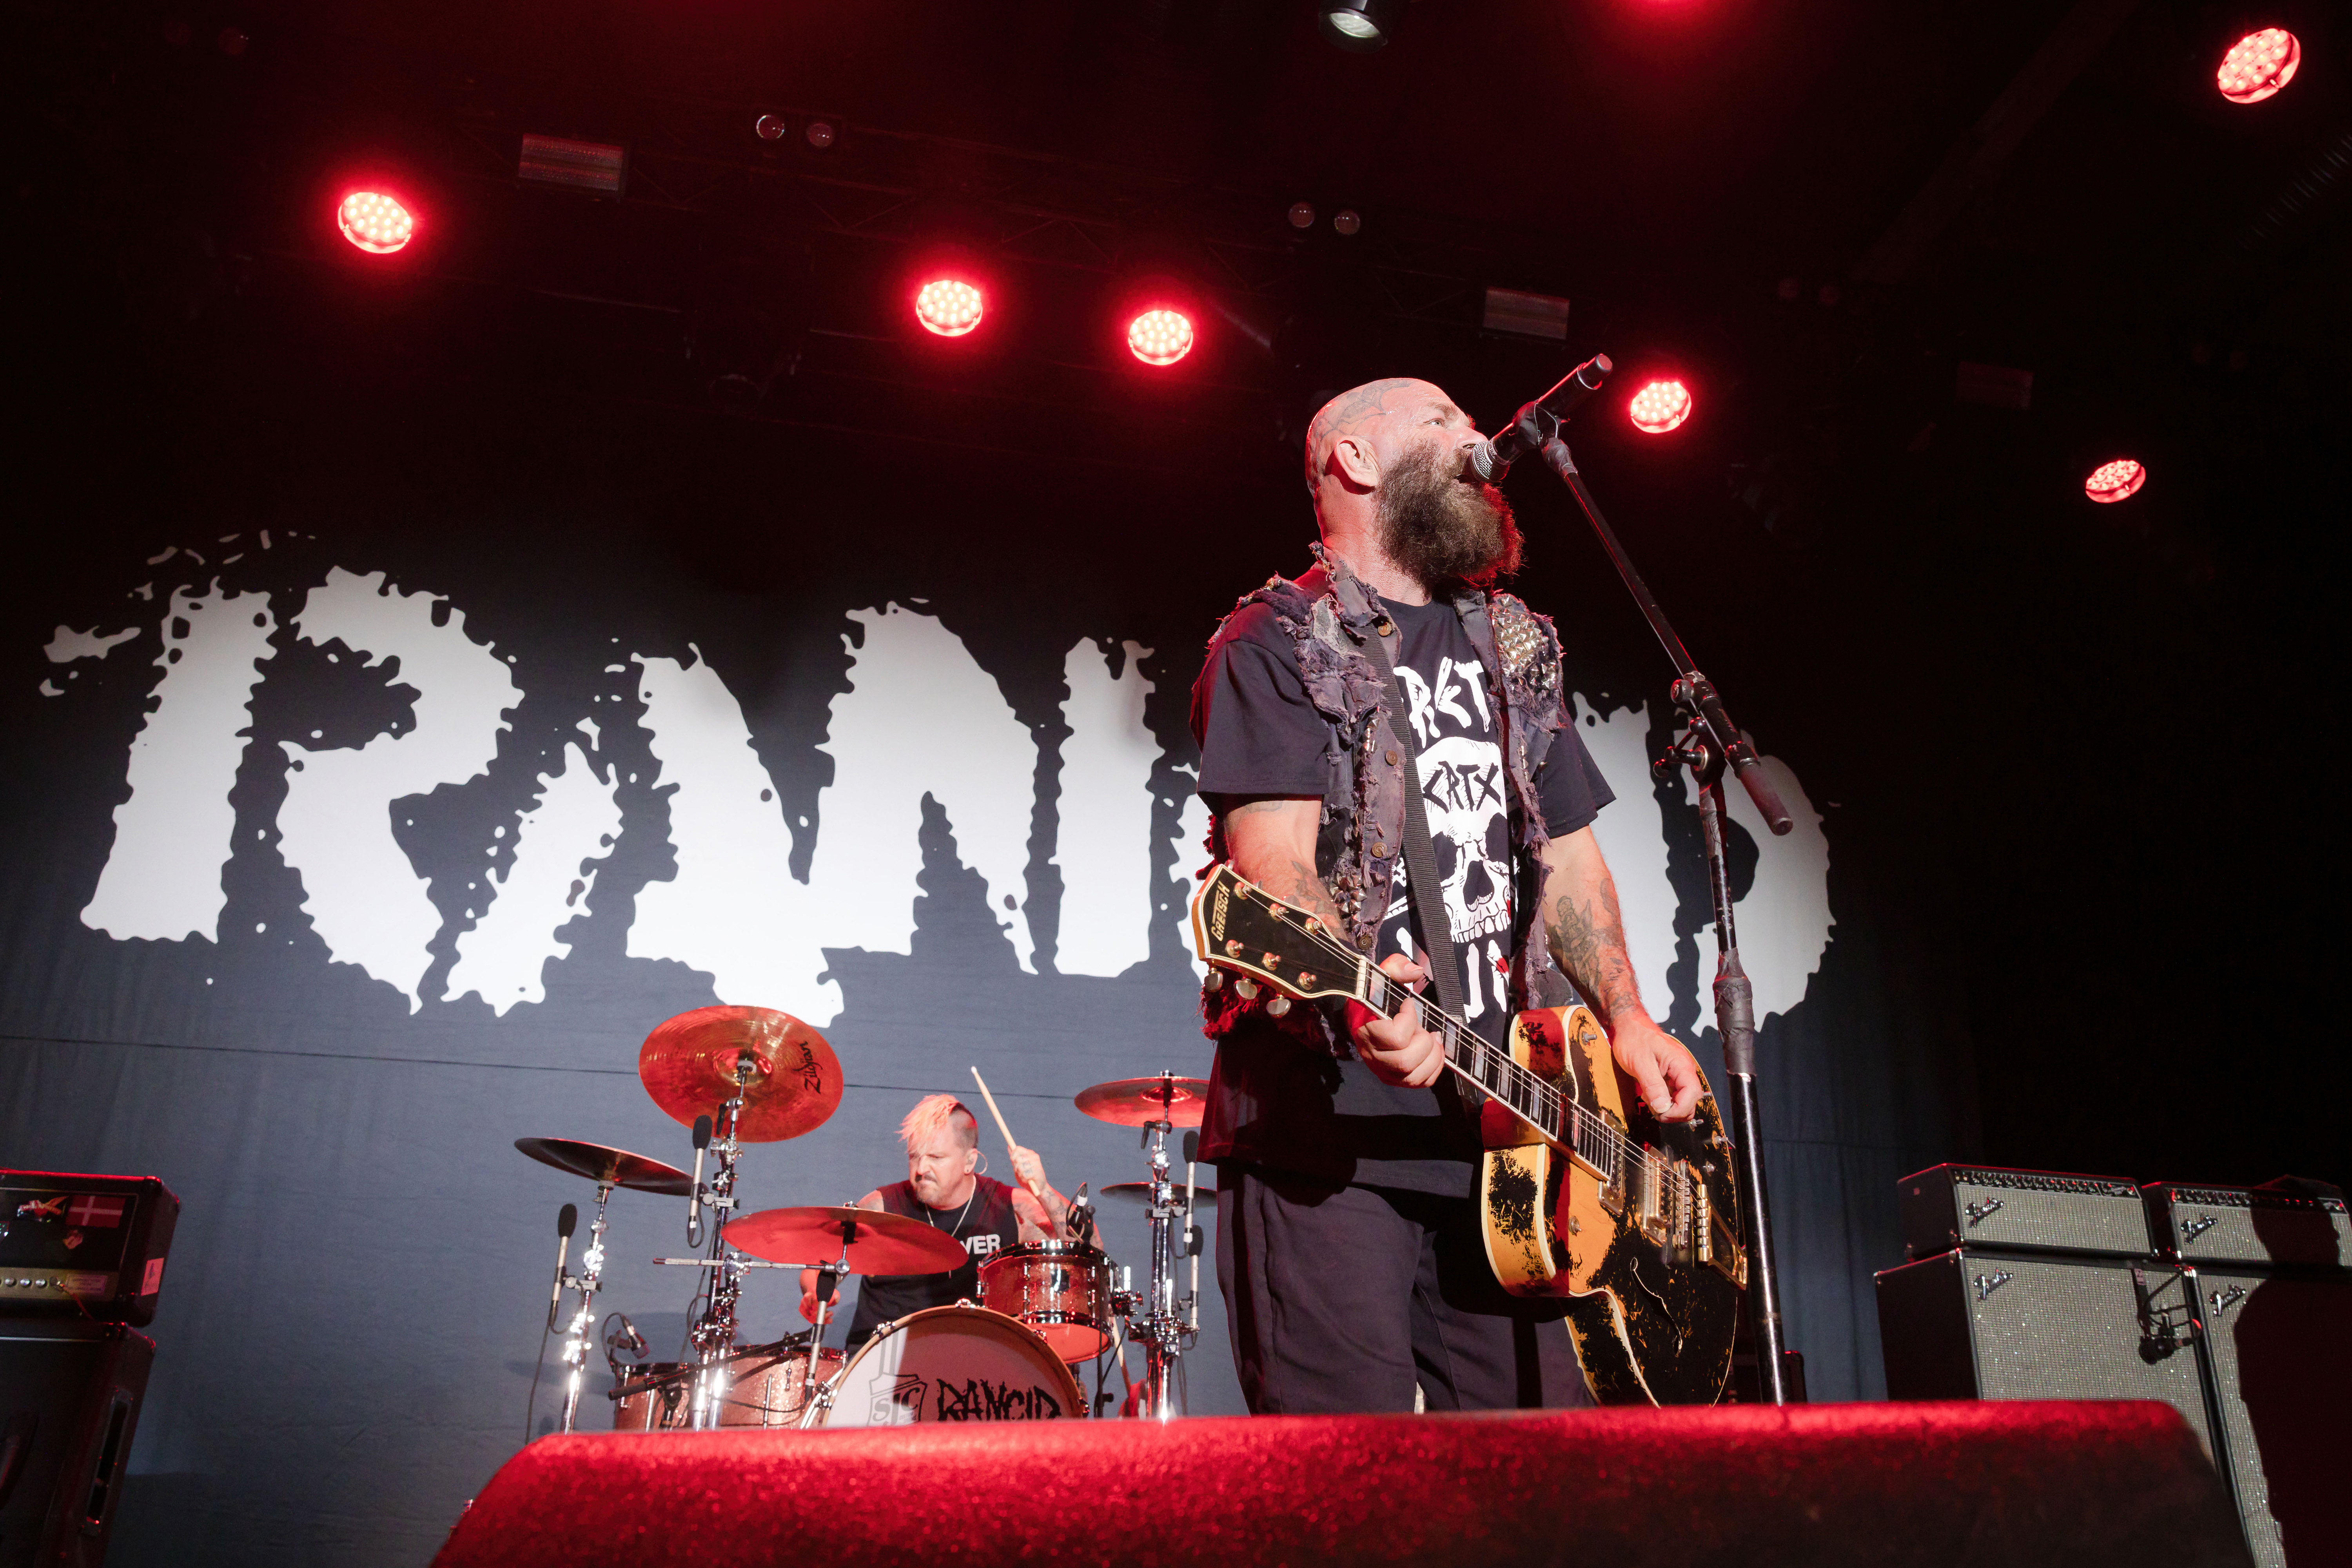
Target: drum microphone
{"type": "Point", "coordinates": [1490, 460]}
{"type": "Point", "coordinates": [629, 1339]}
{"type": "Point", "coordinates": [694, 1193]}
{"type": "Point", "coordinates": [1081, 1219]}
{"type": "Point", "coordinates": [567, 1220]}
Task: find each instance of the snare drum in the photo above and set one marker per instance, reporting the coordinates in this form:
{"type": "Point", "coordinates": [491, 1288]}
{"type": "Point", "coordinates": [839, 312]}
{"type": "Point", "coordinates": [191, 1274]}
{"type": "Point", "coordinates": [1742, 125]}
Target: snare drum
{"type": "Point", "coordinates": [655, 1397]}
{"type": "Point", "coordinates": [770, 1387]}
{"type": "Point", "coordinates": [1061, 1288]}
{"type": "Point", "coordinates": [764, 1387]}
{"type": "Point", "coordinates": [949, 1363]}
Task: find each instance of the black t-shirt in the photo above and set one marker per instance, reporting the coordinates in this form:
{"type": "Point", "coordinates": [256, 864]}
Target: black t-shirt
{"type": "Point", "coordinates": [1271, 1102]}
{"type": "Point", "coordinates": [986, 1226]}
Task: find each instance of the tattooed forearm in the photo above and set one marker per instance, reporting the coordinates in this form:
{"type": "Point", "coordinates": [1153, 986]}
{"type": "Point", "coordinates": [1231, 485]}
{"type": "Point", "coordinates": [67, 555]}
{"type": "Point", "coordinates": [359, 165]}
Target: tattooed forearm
{"type": "Point", "coordinates": [1587, 943]}
{"type": "Point", "coordinates": [1299, 884]}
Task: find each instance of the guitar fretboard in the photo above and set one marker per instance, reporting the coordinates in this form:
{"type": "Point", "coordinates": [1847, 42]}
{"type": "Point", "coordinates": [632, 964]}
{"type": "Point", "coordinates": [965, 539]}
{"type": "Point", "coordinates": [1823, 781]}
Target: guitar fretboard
{"type": "Point", "coordinates": [1490, 1070]}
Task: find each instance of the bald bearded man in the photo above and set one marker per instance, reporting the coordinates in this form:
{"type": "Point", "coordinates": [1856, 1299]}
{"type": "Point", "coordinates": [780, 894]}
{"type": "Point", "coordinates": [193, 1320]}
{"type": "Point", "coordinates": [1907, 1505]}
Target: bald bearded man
{"type": "Point", "coordinates": [1347, 1247]}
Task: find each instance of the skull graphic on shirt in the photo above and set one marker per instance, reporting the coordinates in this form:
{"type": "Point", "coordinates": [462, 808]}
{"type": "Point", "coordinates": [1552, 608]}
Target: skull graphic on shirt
{"type": "Point", "coordinates": [1462, 793]}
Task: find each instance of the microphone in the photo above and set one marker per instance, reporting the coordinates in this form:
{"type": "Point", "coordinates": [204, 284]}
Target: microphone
{"type": "Point", "coordinates": [694, 1193]}
{"type": "Point", "coordinates": [1081, 1218]}
{"type": "Point", "coordinates": [567, 1220]}
{"type": "Point", "coordinates": [1491, 459]}
{"type": "Point", "coordinates": [630, 1338]}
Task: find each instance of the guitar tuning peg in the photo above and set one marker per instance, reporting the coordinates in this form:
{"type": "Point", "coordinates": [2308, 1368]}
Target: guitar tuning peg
{"type": "Point", "coordinates": [1278, 1005]}
{"type": "Point", "coordinates": [1246, 989]}
{"type": "Point", "coordinates": [1215, 982]}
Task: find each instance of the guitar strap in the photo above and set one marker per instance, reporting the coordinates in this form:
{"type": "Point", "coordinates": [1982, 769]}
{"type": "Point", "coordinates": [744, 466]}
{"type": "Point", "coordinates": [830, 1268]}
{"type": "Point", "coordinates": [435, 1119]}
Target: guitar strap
{"type": "Point", "coordinates": [1422, 885]}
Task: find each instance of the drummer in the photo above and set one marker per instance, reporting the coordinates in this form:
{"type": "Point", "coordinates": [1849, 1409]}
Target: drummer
{"type": "Point", "coordinates": [946, 1190]}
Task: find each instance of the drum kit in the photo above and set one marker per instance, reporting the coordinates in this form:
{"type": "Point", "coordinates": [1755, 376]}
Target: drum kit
{"type": "Point", "coordinates": [752, 1075]}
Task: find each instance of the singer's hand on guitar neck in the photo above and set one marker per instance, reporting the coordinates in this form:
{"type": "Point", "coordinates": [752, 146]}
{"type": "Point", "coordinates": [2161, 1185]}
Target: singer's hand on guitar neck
{"type": "Point", "coordinates": [1398, 1051]}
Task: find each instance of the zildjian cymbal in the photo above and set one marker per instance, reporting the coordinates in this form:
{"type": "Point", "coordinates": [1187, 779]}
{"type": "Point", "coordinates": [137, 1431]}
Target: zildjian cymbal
{"type": "Point", "coordinates": [1139, 1101]}
{"type": "Point", "coordinates": [614, 1167]}
{"type": "Point", "coordinates": [689, 1065]}
{"type": "Point", "coordinates": [885, 1244]}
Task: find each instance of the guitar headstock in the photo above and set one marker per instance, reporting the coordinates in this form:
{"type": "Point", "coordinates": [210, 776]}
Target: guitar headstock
{"type": "Point", "coordinates": [1239, 926]}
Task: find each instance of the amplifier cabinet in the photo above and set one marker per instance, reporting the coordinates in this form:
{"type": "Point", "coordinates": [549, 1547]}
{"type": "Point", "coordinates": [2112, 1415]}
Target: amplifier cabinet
{"type": "Point", "coordinates": [2210, 1225]}
{"type": "Point", "coordinates": [1964, 1325]}
{"type": "Point", "coordinates": [69, 1398]}
{"type": "Point", "coordinates": [74, 1245]}
{"type": "Point", "coordinates": [1946, 1206]}
{"type": "Point", "coordinates": [2283, 1369]}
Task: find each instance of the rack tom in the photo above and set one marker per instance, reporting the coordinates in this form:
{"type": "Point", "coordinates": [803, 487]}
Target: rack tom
{"type": "Point", "coordinates": [1060, 1289]}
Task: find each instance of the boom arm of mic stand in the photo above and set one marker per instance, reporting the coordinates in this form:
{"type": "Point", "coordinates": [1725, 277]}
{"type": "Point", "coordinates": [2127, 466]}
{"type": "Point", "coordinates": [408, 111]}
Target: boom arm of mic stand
{"type": "Point", "coordinates": [1540, 427]}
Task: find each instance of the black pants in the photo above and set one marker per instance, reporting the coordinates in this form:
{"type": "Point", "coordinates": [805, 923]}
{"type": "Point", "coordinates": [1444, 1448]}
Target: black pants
{"type": "Point", "coordinates": [1343, 1298]}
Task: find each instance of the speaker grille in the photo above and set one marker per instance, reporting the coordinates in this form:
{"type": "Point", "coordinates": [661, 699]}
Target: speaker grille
{"type": "Point", "coordinates": [2283, 1357]}
{"type": "Point", "coordinates": [2206, 1225]}
{"type": "Point", "coordinates": [2057, 1330]}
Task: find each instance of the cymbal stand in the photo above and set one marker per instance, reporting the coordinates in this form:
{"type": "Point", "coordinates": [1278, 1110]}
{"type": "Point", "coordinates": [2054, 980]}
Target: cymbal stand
{"type": "Point", "coordinates": [1155, 1319]}
{"type": "Point", "coordinates": [818, 1394]}
{"type": "Point", "coordinates": [575, 1334]}
{"type": "Point", "coordinates": [713, 1334]}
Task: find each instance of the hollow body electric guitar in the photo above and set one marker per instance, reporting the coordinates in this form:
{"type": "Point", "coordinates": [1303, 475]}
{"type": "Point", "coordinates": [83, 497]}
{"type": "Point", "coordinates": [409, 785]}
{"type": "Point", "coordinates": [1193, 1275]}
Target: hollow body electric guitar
{"type": "Point", "coordinates": [1585, 1196]}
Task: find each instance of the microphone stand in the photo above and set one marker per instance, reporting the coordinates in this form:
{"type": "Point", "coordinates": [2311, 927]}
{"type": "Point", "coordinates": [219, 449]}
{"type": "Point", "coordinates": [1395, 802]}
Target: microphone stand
{"type": "Point", "coordinates": [1710, 742]}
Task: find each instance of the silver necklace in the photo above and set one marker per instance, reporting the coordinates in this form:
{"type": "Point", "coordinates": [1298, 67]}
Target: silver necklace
{"type": "Point", "coordinates": [961, 1214]}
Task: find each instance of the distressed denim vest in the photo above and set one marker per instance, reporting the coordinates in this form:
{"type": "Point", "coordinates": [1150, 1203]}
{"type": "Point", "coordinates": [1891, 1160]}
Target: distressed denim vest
{"type": "Point", "coordinates": [1330, 617]}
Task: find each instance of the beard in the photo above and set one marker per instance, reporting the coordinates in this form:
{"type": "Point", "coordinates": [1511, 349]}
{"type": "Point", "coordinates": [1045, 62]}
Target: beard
{"type": "Point", "coordinates": [1445, 529]}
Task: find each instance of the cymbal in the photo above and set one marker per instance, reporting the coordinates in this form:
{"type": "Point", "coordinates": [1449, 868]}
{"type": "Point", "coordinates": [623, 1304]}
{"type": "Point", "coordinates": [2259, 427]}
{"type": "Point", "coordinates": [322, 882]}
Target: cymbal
{"type": "Point", "coordinates": [885, 1244]}
{"type": "Point", "coordinates": [1204, 1196]}
{"type": "Point", "coordinates": [601, 1164]}
{"type": "Point", "coordinates": [687, 1065]}
{"type": "Point", "coordinates": [1134, 1101]}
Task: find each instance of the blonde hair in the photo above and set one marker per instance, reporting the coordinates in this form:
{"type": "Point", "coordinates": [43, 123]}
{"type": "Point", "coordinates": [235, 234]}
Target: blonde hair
{"type": "Point", "coordinates": [935, 1112]}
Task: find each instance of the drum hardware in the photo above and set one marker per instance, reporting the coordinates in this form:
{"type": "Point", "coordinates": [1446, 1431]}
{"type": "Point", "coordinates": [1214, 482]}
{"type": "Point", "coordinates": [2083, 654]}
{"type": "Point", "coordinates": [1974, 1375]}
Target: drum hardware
{"type": "Point", "coordinates": [871, 1241]}
{"type": "Point", "coordinates": [608, 1168]}
{"type": "Point", "coordinates": [735, 1075]}
{"type": "Point", "coordinates": [1164, 1326]}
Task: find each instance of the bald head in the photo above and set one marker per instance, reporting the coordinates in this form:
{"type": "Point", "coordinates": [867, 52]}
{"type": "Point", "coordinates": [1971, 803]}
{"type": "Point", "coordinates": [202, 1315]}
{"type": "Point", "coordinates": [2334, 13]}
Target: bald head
{"type": "Point", "coordinates": [1371, 420]}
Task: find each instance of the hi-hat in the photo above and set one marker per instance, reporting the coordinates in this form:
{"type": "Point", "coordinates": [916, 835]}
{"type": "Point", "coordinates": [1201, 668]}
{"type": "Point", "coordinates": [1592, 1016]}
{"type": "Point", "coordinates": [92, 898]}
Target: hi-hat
{"type": "Point", "coordinates": [608, 1167]}
{"type": "Point", "coordinates": [1139, 1102]}
{"type": "Point", "coordinates": [886, 1243]}
{"type": "Point", "coordinates": [689, 1065]}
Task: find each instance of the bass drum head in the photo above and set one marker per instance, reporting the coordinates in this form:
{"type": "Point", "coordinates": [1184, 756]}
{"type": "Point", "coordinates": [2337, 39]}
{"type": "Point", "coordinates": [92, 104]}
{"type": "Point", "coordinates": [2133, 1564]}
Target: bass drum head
{"type": "Point", "coordinates": [951, 1364]}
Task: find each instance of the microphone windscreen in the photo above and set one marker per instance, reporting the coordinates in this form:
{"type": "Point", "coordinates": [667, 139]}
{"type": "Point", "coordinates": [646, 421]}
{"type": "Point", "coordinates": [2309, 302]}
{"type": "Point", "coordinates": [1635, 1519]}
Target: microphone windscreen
{"type": "Point", "coordinates": [1485, 464]}
{"type": "Point", "coordinates": [567, 1220]}
{"type": "Point", "coordinates": [702, 1132]}
{"type": "Point", "coordinates": [1192, 1147]}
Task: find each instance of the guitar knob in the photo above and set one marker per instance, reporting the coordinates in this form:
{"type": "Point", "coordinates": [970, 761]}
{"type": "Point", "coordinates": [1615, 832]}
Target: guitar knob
{"type": "Point", "coordinates": [1276, 1007]}
{"type": "Point", "coordinates": [1215, 982]}
{"type": "Point", "coordinates": [1246, 989]}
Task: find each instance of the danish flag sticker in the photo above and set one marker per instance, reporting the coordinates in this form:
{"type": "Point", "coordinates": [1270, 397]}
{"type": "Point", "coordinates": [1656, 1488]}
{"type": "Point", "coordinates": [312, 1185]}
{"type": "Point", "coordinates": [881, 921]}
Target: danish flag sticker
{"type": "Point", "coordinates": [94, 1212]}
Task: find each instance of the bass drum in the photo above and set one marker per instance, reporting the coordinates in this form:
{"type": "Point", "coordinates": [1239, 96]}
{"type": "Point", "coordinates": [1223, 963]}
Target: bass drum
{"type": "Point", "coordinates": [949, 1363]}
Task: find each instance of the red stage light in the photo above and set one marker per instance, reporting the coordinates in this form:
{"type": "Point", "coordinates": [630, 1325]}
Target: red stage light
{"type": "Point", "coordinates": [1160, 337]}
{"type": "Point", "coordinates": [2114, 482]}
{"type": "Point", "coordinates": [1660, 407]}
{"type": "Point", "coordinates": [948, 306]}
{"type": "Point", "coordinates": [2258, 65]}
{"type": "Point", "coordinates": [375, 222]}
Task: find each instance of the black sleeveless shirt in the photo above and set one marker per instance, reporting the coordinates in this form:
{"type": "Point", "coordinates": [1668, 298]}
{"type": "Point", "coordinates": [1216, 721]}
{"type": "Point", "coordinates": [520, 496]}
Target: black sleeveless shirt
{"type": "Point", "coordinates": [986, 1227]}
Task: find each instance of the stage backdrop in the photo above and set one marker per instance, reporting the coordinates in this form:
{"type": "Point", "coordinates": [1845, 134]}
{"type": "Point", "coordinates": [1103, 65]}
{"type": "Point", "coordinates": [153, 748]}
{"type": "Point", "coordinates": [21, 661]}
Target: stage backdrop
{"type": "Point", "coordinates": [366, 812]}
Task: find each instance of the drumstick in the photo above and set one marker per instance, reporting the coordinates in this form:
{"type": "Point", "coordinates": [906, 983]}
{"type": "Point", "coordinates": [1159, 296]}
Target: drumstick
{"type": "Point", "coordinates": [1009, 1144]}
